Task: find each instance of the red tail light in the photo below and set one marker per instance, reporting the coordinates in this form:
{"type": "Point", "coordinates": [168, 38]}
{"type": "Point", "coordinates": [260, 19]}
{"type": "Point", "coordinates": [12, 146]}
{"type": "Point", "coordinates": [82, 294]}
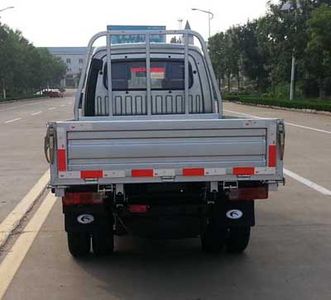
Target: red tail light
{"type": "Point", "coordinates": [82, 198]}
{"type": "Point", "coordinates": [138, 208]}
{"type": "Point", "coordinates": [142, 173]}
{"type": "Point", "coordinates": [249, 193]}
{"type": "Point", "coordinates": [243, 171]}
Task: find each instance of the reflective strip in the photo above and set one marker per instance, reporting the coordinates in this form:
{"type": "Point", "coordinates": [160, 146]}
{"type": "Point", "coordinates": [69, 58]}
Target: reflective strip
{"type": "Point", "coordinates": [265, 171]}
{"type": "Point", "coordinates": [85, 174]}
{"type": "Point", "coordinates": [114, 174]}
{"type": "Point", "coordinates": [215, 171]}
{"type": "Point", "coordinates": [70, 174]}
{"type": "Point", "coordinates": [272, 156]}
{"type": "Point", "coordinates": [243, 171]}
{"type": "Point", "coordinates": [164, 172]}
{"type": "Point", "coordinates": [142, 173]}
{"type": "Point", "coordinates": [61, 138]}
{"type": "Point", "coordinates": [194, 172]}
{"type": "Point", "coordinates": [61, 160]}
{"type": "Point", "coordinates": [91, 174]}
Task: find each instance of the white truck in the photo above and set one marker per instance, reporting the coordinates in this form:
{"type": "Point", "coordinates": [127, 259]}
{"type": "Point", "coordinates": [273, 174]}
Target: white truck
{"type": "Point", "coordinates": [150, 153]}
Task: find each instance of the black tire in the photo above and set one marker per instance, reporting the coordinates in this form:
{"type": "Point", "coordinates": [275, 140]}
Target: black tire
{"type": "Point", "coordinates": [238, 239]}
{"type": "Point", "coordinates": [212, 239]}
{"type": "Point", "coordinates": [78, 244]}
{"type": "Point", "coordinates": [103, 243]}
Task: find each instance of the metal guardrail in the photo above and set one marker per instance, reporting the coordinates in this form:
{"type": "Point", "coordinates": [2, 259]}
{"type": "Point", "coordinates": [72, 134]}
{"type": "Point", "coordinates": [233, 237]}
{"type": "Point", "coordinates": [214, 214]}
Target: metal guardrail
{"type": "Point", "coordinates": [147, 33]}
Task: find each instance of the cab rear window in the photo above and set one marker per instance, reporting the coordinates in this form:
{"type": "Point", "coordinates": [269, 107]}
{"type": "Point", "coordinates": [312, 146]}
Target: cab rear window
{"type": "Point", "coordinates": [132, 75]}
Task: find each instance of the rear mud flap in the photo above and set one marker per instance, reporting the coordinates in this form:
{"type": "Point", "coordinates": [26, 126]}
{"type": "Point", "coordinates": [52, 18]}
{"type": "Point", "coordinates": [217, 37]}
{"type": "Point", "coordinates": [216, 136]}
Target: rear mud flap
{"type": "Point", "coordinates": [239, 213]}
{"type": "Point", "coordinates": [87, 219]}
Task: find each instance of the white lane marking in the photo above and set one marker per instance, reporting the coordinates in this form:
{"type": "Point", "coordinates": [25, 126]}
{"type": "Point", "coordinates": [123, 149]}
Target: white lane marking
{"type": "Point", "coordinates": [243, 114]}
{"type": "Point", "coordinates": [306, 127]}
{"type": "Point", "coordinates": [36, 113]}
{"type": "Point", "coordinates": [307, 182]}
{"type": "Point", "coordinates": [287, 123]}
{"type": "Point", "coordinates": [25, 104]}
{"type": "Point", "coordinates": [15, 216]}
{"type": "Point", "coordinates": [51, 108]}
{"type": "Point", "coordinates": [17, 253]}
{"type": "Point", "coordinates": [13, 120]}
{"type": "Point", "coordinates": [62, 105]}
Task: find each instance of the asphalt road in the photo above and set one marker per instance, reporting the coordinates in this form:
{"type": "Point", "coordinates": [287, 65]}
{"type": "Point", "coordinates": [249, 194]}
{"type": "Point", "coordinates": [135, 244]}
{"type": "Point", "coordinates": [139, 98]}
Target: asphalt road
{"type": "Point", "coordinates": [22, 130]}
{"type": "Point", "coordinates": [289, 256]}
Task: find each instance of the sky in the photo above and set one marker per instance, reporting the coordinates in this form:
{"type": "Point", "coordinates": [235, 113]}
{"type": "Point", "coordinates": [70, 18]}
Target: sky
{"type": "Point", "coordinates": [59, 23]}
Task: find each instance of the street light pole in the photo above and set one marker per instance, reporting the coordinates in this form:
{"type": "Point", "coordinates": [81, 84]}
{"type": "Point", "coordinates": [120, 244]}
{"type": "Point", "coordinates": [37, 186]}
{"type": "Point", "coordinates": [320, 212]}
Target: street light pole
{"type": "Point", "coordinates": [287, 6]}
{"type": "Point", "coordinates": [210, 17]}
{"type": "Point", "coordinates": [292, 76]}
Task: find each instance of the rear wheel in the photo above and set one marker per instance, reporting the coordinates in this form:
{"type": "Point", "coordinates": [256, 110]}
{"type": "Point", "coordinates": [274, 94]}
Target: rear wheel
{"type": "Point", "coordinates": [237, 239]}
{"type": "Point", "coordinates": [103, 243]}
{"type": "Point", "coordinates": [212, 239]}
{"type": "Point", "coordinates": [78, 243]}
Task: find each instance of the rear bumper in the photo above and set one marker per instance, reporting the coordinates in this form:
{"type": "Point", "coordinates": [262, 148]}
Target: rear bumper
{"type": "Point", "coordinates": [161, 221]}
{"type": "Point", "coordinates": [189, 221]}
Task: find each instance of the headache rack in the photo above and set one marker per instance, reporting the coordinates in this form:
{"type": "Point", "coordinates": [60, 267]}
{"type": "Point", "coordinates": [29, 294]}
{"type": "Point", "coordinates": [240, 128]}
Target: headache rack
{"type": "Point", "coordinates": [187, 36]}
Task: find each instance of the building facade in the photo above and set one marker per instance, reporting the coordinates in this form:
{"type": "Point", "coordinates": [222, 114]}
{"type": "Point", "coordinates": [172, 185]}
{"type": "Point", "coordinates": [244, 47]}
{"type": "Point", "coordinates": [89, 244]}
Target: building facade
{"type": "Point", "coordinates": [74, 58]}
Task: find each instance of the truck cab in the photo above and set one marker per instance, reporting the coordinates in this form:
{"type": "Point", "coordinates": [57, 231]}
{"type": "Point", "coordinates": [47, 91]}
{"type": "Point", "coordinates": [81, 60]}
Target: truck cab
{"type": "Point", "coordinates": [129, 80]}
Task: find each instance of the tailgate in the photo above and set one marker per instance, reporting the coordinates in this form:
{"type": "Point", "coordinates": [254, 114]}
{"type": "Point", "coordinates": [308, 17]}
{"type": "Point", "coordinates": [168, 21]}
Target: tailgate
{"type": "Point", "coordinates": [167, 150]}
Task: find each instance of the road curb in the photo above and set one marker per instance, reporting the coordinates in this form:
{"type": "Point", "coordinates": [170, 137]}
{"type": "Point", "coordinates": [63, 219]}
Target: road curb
{"type": "Point", "coordinates": [12, 221]}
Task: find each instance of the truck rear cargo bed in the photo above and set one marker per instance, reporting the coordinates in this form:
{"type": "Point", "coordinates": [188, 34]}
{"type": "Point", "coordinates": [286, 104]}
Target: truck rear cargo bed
{"type": "Point", "coordinates": [128, 151]}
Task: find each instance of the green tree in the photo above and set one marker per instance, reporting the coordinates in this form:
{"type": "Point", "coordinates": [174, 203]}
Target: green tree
{"type": "Point", "coordinates": [224, 50]}
{"type": "Point", "coordinates": [24, 68]}
{"type": "Point", "coordinates": [319, 48]}
{"type": "Point", "coordinates": [254, 56]}
{"type": "Point", "coordinates": [217, 54]}
{"type": "Point", "coordinates": [262, 49]}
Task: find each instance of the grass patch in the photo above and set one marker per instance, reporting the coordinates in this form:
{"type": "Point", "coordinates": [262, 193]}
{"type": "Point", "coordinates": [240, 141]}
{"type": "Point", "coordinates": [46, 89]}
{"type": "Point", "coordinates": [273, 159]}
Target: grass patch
{"type": "Point", "coordinates": [314, 104]}
{"type": "Point", "coordinates": [21, 97]}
